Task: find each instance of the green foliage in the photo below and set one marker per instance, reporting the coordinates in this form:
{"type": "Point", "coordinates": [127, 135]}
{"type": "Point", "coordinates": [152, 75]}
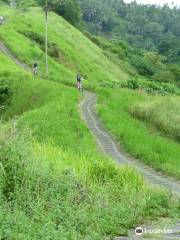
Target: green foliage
{"type": "Point", "coordinates": [145, 26]}
{"type": "Point", "coordinates": [152, 87]}
{"type": "Point", "coordinates": [137, 138]}
{"type": "Point", "coordinates": [51, 180]}
{"type": "Point", "coordinates": [143, 66]}
{"type": "Point", "coordinates": [53, 50]}
{"type": "Point", "coordinates": [164, 76]}
{"type": "Point", "coordinates": [69, 9]}
{"type": "Point", "coordinates": [176, 71]}
{"type": "Point", "coordinates": [163, 113]}
{"type": "Point", "coordinates": [5, 91]}
{"type": "Point", "coordinates": [39, 187]}
{"type": "Point", "coordinates": [76, 52]}
{"type": "Point", "coordinates": [54, 182]}
{"type": "Point", "coordinates": [149, 64]}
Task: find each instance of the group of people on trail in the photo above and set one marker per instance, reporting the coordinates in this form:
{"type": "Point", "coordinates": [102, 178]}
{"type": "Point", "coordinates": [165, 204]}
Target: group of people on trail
{"type": "Point", "coordinates": [79, 77]}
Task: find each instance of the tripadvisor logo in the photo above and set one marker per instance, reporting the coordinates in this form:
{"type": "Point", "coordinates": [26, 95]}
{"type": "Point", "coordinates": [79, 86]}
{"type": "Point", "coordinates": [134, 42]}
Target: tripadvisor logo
{"type": "Point", "coordinates": [139, 231]}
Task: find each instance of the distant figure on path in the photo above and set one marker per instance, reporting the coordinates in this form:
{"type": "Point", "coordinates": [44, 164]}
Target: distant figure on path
{"type": "Point", "coordinates": [1, 20]}
{"type": "Point", "coordinates": [78, 80]}
{"type": "Point", "coordinates": [35, 69]}
{"type": "Point", "coordinates": [13, 3]}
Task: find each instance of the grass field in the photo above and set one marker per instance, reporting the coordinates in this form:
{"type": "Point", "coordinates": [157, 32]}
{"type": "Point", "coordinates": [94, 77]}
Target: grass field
{"type": "Point", "coordinates": [54, 182]}
{"type": "Point", "coordinates": [161, 113]}
{"type": "Point", "coordinates": [73, 51]}
{"type": "Point", "coordinates": [137, 137]}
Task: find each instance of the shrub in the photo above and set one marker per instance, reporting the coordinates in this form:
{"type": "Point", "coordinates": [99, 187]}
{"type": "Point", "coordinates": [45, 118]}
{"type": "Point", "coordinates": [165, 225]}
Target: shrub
{"type": "Point", "coordinates": [57, 202]}
{"type": "Point", "coordinates": [53, 49]}
{"type": "Point", "coordinates": [162, 113]}
{"type": "Point", "coordinates": [143, 66]}
{"type": "Point", "coordinates": [164, 76]}
{"type": "Point", "coordinates": [34, 37]}
{"type": "Point", "coordinates": [5, 91]}
{"type": "Point", "coordinates": [151, 87]}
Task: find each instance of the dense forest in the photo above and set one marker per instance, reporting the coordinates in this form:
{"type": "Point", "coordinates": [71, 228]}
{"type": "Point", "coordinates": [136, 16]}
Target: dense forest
{"type": "Point", "coordinates": [146, 36]}
{"type": "Point", "coordinates": [146, 26]}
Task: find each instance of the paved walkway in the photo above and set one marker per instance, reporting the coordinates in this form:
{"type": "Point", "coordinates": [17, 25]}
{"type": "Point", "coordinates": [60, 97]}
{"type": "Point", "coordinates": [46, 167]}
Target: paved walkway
{"type": "Point", "coordinates": [110, 147]}
{"type": "Point", "coordinates": [107, 145]}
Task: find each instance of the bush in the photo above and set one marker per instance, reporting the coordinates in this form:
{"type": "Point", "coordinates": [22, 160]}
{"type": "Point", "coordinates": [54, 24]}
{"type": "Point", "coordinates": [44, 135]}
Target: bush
{"type": "Point", "coordinates": [57, 202]}
{"type": "Point", "coordinates": [146, 85]}
{"type": "Point", "coordinates": [164, 76]}
{"type": "Point", "coordinates": [53, 49]}
{"type": "Point", "coordinates": [163, 114]}
{"type": "Point", "coordinates": [34, 37]}
{"type": "Point", "coordinates": [5, 91]}
{"type": "Point", "coordinates": [143, 66]}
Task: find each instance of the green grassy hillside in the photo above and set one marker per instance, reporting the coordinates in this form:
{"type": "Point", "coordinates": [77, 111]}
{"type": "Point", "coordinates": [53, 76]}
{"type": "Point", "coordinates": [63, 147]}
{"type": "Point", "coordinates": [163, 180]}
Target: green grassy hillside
{"type": "Point", "coordinates": [162, 113]}
{"type": "Point", "coordinates": [53, 180]}
{"type": "Point", "coordinates": [23, 33]}
{"type": "Point", "coordinates": [137, 137]}
{"type": "Point", "coordinates": [53, 175]}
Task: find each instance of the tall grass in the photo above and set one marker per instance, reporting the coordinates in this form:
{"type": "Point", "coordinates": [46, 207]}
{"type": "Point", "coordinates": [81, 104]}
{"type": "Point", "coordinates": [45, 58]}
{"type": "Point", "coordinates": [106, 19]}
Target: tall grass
{"type": "Point", "coordinates": [44, 194]}
{"type": "Point", "coordinates": [136, 137]}
{"type": "Point", "coordinates": [76, 52]}
{"type": "Point", "coordinates": [54, 183]}
{"type": "Point", "coordinates": [162, 113]}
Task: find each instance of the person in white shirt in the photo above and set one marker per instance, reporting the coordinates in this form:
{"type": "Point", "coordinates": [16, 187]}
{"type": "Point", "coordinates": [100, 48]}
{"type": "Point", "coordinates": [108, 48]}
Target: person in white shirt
{"type": "Point", "coordinates": [1, 20]}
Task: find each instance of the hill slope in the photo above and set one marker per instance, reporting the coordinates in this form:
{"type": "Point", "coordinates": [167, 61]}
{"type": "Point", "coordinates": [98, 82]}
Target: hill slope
{"type": "Point", "coordinates": [146, 26]}
{"type": "Point", "coordinates": [24, 35]}
{"type": "Point", "coordinates": [54, 181]}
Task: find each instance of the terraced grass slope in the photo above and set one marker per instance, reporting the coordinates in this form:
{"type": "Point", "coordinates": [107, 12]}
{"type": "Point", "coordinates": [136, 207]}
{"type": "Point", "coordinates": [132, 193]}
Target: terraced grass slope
{"type": "Point", "coordinates": [70, 51]}
{"type": "Point", "coordinates": [53, 180]}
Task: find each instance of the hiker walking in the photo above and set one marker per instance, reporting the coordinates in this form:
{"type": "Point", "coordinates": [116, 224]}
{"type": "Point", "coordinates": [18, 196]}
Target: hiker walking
{"type": "Point", "coordinates": [1, 20]}
{"type": "Point", "coordinates": [35, 69]}
{"type": "Point", "coordinates": [78, 78]}
{"type": "Point", "coordinates": [80, 82]}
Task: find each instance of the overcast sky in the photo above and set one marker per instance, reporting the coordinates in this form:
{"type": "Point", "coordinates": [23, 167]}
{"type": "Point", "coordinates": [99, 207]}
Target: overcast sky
{"type": "Point", "coordinates": [159, 2]}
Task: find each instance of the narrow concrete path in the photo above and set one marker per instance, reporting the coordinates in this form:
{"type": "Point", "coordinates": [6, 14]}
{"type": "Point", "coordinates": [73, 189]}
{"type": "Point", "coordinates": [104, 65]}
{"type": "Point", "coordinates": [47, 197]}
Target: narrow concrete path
{"type": "Point", "coordinates": [108, 145]}
{"type": "Point", "coordinates": [106, 142]}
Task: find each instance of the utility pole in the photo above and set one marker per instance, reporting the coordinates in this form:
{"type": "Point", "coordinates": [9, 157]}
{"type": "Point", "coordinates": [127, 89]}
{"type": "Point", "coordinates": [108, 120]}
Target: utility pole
{"type": "Point", "coordinates": [46, 37]}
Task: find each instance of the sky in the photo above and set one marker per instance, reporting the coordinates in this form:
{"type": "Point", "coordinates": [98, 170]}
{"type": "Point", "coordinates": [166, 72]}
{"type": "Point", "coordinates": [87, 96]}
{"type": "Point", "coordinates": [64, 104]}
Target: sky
{"type": "Point", "coordinates": [159, 2]}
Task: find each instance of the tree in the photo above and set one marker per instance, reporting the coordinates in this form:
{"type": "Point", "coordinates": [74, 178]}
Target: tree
{"type": "Point", "coordinates": [143, 26]}
{"type": "Point", "coordinates": [69, 9]}
{"type": "Point", "coordinates": [164, 76]}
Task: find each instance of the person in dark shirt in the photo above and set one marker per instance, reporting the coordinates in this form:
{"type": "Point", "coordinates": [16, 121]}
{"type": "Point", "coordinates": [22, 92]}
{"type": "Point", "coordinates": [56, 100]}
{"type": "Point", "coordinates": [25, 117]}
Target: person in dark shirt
{"type": "Point", "coordinates": [35, 69]}
{"type": "Point", "coordinates": [78, 80]}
